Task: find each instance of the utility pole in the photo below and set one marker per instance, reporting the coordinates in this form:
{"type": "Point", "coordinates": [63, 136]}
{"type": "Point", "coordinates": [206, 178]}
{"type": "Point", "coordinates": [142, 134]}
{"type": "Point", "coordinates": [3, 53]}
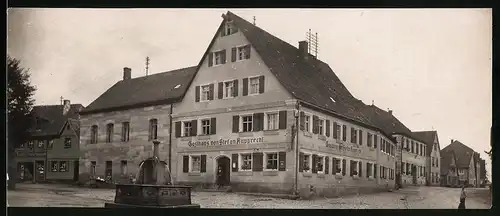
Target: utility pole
{"type": "Point", "coordinates": [147, 65]}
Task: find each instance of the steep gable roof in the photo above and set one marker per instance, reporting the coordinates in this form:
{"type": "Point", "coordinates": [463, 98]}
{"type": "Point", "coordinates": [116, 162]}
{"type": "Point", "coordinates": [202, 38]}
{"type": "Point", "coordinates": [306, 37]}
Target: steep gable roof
{"type": "Point", "coordinates": [462, 153]}
{"type": "Point", "coordinates": [160, 88]}
{"type": "Point", "coordinates": [51, 119]}
{"type": "Point", "coordinates": [428, 138]}
{"type": "Point", "coordinates": [446, 161]}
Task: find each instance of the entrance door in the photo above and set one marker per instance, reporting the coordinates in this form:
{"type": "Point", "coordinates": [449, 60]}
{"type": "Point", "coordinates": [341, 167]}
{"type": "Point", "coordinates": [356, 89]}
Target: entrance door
{"type": "Point", "coordinates": [223, 172]}
{"type": "Point", "coordinates": [76, 170]}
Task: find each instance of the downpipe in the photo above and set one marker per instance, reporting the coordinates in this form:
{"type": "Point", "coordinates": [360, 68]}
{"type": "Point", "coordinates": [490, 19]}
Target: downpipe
{"type": "Point", "coordinates": [296, 133]}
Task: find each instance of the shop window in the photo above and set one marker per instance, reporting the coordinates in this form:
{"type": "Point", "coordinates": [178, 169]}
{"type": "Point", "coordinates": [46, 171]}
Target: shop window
{"type": "Point", "coordinates": [272, 121]}
{"type": "Point", "coordinates": [246, 162]}
{"type": "Point", "coordinates": [306, 163]}
{"type": "Point", "coordinates": [205, 127]}
{"type": "Point", "coordinates": [67, 142]}
{"type": "Point", "coordinates": [123, 167]}
{"type": "Point", "coordinates": [63, 166]}
{"type": "Point", "coordinates": [271, 161]}
{"type": "Point", "coordinates": [354, 168]}
{"type": "Point", "coordinates": [247, 123]}
{"type": "Point", "coordinates": [54, 166]}
{"type": "Point", "coordinates": [195, 163]}
{"type": "Point", "coordinates": [320, 164]}
{"type": "Point", "coordinates": [254, 85]}
{"type": "Point", "coordinates": [109, 132]}
{"type": "Point", "coordinates": [93, 134]}
{"type": "Point", "coordinates": [153, 129]}
{"type": "Point", "coordinates": [125, 131]}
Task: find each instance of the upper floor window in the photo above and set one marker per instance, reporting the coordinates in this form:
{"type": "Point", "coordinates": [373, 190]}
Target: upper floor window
{"type": "Point", "coordinates": [241, 53]}
{"type": "Point", "coordinates": [412, 147]}
{"type": "Point", "coordinates": [153, 129]}
{"type": "Point", "coordinates": [30, 144]}
{"type": "Point", "coordinates": [187, 126]}
{"type": "Point", "coordinates": [336, 131]}
{"type": "Point", "coordinates": [369, 138]}
{"type": "Point", "coordinates": [50, 144]}
{"type": "Point", "coordinates": [361, 137]}
{"type": "Point", "coordinates": [307, 123]}
{"type": "Point", "coordinates": [321, 127]}
{"type": "Point", "coordinates": [228, 89]}
{"type": "Point", "coordinates": [254, 85]}
{"type": "Point", "coordinates": [217, 58]}
{"type": "Point", "coordinates": [41, 143]}
{"type": "Point", "coordinates": [205, 92]}
{"type": "Point", "coordinates": [205, 127]}
{"type": "Point", "coordinates": [247, 123]}
{"type": "Point", "coordinates": [93, 134]}
{"type": "Point", "coordinates": [272, 121]}
{"type": "Point", "coordinates": [109, 132]}
{"type": "Point", "coordinates": [354, 135]}
{"type": "Point", "coordinates": [229, 29]}
{"type": "Point", "coordinates": [67, 142]}
{"type": "Point", "coordinates": [125, 131]}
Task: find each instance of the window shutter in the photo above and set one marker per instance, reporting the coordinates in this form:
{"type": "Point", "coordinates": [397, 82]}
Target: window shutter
{"type": "Point", "coordinates": [248, 51]}
{"type": "Point", "coordinates": [315, 124]}
{"type": "Point", "coordinates": [327, 128]}
{"type": "Point", "coordinates": [282, 119]}
{"type": "Point", "coordinates": [185, 164]}
{"type": "Point", "coordinates": [314, 164]}
{"type": "Point", "coordinates": [261, 84]}
{"type": "Point", "coordinates": [344, 166]}
{"type": "Point", "coordinates": [360, 137]}
{"type": "Point", "coordinates": [360, 171]}
{"type": "Point", "coordinates": [327, 164]}
{"type": "Point", "coordinates": [194, 127]}
{"type": "Point", "coordinates": [375, 140]}
{"type": "Point", "coordinates": [334, 135]}
{"type": "Point", "coordinates": [302, 121]}
{"type": "Point", "coordinates": [334, 166]}
{"type": "Point", "coordinates": [197, 94]}
{"type": "Point", "coordinates": [258, 121]}
{"type": "Point", "coordinates": [234, 162]}
{"type": "Point", "coordinates": [213, 126]}
{"type": "Point", "coordinates": [245, 86]}
{"type": "Point", "coordinates": [211, 94]}
{"type": "Point", "coordinates": [203, 167]}
{"type": "Point", "coordinates": [235, 89]}
{"type": "Point", "coordinates": [374, 170]}
{"type": "Point", "coordinates": [351, 168]}
{"type": "Point", "coordinates": [236, 124]}
{"type": "Point", "coordinates": [233, 54]}
{"type": "Point", "coordinates": [344, 133]}
{"type": "Point", "coordinates": [257, 161]}
{"type": "Point", "coordinates": [210, 59]}
{"type": "Point", "coordinates": [178, 129]}
{"type": "Point", "coordinates": [282, 161]}
{"type": "Point", "coordinates": [223, 56]}
{"type": "Point", "coordinates": [301, 162]}
{"type": "Point", "coordinates": [220, 92]}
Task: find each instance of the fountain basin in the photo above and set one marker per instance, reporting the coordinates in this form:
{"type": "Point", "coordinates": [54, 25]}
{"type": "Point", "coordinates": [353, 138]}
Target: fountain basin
{"type": "Point", "coordinates": [153, 196]}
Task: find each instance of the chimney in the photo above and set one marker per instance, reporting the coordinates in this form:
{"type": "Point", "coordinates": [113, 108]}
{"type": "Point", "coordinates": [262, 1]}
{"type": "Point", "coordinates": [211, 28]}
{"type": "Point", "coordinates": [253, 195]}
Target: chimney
{"type": "Point", "coordinates": [156, 149]}
{"type": "Point", "coordinates": [303, 49]}
{"type": "Point", "coordinates": [452, 141]}
{"type": "Point", "coordinates": [127, 73]}
{"type": "Point", "coordinates": [66, 106]}
{"type": "Point", "coordinates": [389, 111]}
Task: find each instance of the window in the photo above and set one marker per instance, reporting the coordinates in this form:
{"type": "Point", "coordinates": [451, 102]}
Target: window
{"type": "Point", "coordinates": [272, 121]}
{"type": "Point", "coordinates": [354, 168]}
{"type": "Point", "coordinates": [307, 123]}
{"type": "Point", "coordinates": [254, 85]}
{"type": "Point", "coordinates": [63, 166]}
{"type": "Point", "coordinates": [228, 89]}
{"type": "Point", "coordinates": [93, 165]}
{"type": "Point", "coordinates": [382, 146]}
{"type": "Point", "coordinates": [123, 167]}
{"type": "Point", "coordinates": [307, 163]}
{"type": "Point", "coordinates": [93, 134]}
{"type": "Point", "coordinates": [246, 162]}
{"type": "Point", "coordinates": [369, 170]}
{"type": "Point", "coordinates": [344, 133]}
{"type": "Point", "coordinates": [219, 57]}
{"type": "Point", "coordinates": [369, 139]}
{"type": "Point", "coordinates": [109, 133]}
{"type": "Point", "coordinates": [50, 145]}
{"type": "Point", "coordinates": [41, 143]}
{"type": "Point", "coordinates": [403, 169]}
{"type": "Point", "coordinates": [187, 127]}
{"type": "Point", "coordinates": [432, 159]}
{"type": "Point", "coordinates": [360, 137]}
{"type": "Point", "coordinates": [354, 135]}
{"type": "Point", "coordinates": [321, 124]}
{"type": "Point", "coordinates": [375, 141]}
{"type": "Point", "coordinates": [338, 128]}
{"type": "Point", "coordinates": [412, 146]}
{"type": "Point", "coordinates": [30, 144]}
{"type": "Point", "coordinates": [229, 29]}
{"type": "Point", "coordinates": [67, 142]}
{"type": "Point", "coordinates": [338, 164]}
{"type": "Point", "coordinates": [244, 52]}
{"type": "Point", "coordinates": [55, 166]}
{"type": "Point", "coordinates": [247, 123]}
{"type": "Point", "coordinates": [272, 161]}
{"type": "Point", "coordinates": [320, 164]}
{"type": "Point", "coordinates": [205, 93]}
{"type": "Point", "coordinates": [195, 163]}
{"type": "Point", "coordinates": [125, 131]}
{"type": "Point", "coordinates": [153, 129]}
{"type": "Point", "coordinates": [205, 127]}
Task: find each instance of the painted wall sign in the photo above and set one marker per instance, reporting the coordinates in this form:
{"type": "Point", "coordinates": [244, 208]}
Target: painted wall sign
{"type": "Point", "coordinates": [343, 147]}
{"type": "Point", "coordinates": [222, 142]}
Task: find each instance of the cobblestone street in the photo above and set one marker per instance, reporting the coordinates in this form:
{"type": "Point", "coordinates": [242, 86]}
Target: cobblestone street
{"type": "Point", "coordinates": [37, 195]}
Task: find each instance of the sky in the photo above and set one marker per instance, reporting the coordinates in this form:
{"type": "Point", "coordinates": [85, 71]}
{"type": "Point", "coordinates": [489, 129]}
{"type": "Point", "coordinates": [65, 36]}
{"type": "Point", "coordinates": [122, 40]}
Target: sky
{"type": "Point", "coordinates": [432, 67]}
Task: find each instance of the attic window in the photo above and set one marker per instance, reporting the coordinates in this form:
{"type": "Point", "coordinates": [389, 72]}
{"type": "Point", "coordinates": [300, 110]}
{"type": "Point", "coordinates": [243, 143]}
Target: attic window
{"type": "Point", "coordinates": [332, 99]}
{"type": "Point", "coordinates": [229, 28]}
{"type": "Point", "coordinates": [177, 86]}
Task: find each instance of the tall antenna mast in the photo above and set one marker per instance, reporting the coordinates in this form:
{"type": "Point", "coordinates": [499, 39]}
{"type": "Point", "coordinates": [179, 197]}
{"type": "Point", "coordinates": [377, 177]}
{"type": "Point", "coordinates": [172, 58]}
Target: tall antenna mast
{"type": "Point", "coordinates": [147, 65]}
{"type": "Point", "coordinates": [312, 41]}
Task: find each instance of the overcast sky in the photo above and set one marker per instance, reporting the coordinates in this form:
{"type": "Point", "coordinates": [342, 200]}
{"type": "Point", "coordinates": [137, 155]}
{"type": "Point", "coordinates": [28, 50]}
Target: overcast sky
{"type": "Point", "coordinates": [432, 67]}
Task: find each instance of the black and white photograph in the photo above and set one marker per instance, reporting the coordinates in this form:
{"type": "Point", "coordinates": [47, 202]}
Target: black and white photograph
{"type": "Point", "coordinates": [293, 108]}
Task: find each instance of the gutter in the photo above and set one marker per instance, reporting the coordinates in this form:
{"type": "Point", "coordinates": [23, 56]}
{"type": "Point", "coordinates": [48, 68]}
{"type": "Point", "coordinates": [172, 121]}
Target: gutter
{"type": "Point", "coordinates": [170, 139]}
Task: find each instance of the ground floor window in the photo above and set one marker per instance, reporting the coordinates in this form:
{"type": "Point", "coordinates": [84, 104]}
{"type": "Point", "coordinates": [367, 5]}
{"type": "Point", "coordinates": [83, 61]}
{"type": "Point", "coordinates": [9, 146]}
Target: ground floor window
{"type": "Point", "coordinates": [368, 170]}
{"type": "Point", "coordinates": [403, 169]}
{"type": "Point", "coordinates": [337, 164]}
{"type": "Point", "coordinates": [320, 164]}
{"type": "Point", "coordinates": [63, 166]}
{"type": "Point", "coordinates": [123, 167]}
{"type": "Point", "coordinates": [195, 163]}
{"type": "Point", "coordinates": [246, 162]}
{"type": "Point", "coordinates": [354, 168]}
{"type": "Point", "coordinates": [54, 166]}
{"type": "Point", "coordinates": [109, 169]}
{"type": "Point", "coordinates": [272, 161]}
{"type": "Point", "coordinates": [306, 161]}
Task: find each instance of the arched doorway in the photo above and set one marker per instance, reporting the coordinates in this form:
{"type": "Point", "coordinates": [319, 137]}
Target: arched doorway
{"type": "Point", "coordinates": [223, 171]}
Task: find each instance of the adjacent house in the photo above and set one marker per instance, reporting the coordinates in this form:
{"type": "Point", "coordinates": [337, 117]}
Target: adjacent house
{"type": "Point", "coordinates": [467, 163]}
{"type": "Point", "coordinates": [117, 128]}
{"type": "Point", "coordinates": [448, 167]}
{"type": "Point", "coordinates": [262, 115]}
{"type": "Point", "coordinates": [430, 138]}
{"type": "Point", "coordinates": [52, 152]}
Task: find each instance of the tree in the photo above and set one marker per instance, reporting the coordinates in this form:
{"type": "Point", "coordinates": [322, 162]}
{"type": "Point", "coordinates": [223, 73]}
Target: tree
{"type": "Point", "coordinates": [20, 103]}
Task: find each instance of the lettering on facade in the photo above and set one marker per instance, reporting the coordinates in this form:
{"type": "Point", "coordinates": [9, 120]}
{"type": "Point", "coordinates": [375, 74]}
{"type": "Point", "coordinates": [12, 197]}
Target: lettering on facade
{"type": "Point", "coordinates": [343, 147]}
{"type": "Point", "coordinates": [221, 142]}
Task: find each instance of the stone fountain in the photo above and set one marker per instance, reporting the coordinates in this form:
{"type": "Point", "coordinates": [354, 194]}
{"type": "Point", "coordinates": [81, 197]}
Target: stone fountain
{"type": "Point", "coordinates": [153, 187]}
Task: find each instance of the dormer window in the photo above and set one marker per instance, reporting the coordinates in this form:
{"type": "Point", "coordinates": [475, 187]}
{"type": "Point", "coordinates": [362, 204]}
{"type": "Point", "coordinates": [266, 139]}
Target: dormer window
{"type": "Point", "coordinates": [229, 28]}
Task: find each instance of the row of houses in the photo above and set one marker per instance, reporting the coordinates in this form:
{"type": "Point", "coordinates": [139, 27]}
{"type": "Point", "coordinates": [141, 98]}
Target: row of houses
{"type": "Point", "coordinates": [257, 114]}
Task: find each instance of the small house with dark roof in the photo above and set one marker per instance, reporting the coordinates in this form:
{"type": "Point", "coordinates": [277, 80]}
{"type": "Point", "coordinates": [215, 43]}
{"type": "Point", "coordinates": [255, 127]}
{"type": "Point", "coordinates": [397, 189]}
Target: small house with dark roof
{"type": "Point", "coordinates": [262, 115]}
{"type": "Point", "coordinates": [433, 156]}
{"type": "Point", "coordinates": [52, 152]}
{"type": "Point", "coordinates": [467, 164]}
{"type": "Point", "coordinates": [411, 157]}
{"type": "Point", "coordinates": [117, 128]}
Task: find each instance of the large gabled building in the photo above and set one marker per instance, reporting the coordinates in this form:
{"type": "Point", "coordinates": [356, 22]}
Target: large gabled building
{"type": "Point", "coordinates": [467, 164]}
{"type": "Point", "coordinates": [262, 115]}
{"type": "Point", "coordinates": [431, 139]}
